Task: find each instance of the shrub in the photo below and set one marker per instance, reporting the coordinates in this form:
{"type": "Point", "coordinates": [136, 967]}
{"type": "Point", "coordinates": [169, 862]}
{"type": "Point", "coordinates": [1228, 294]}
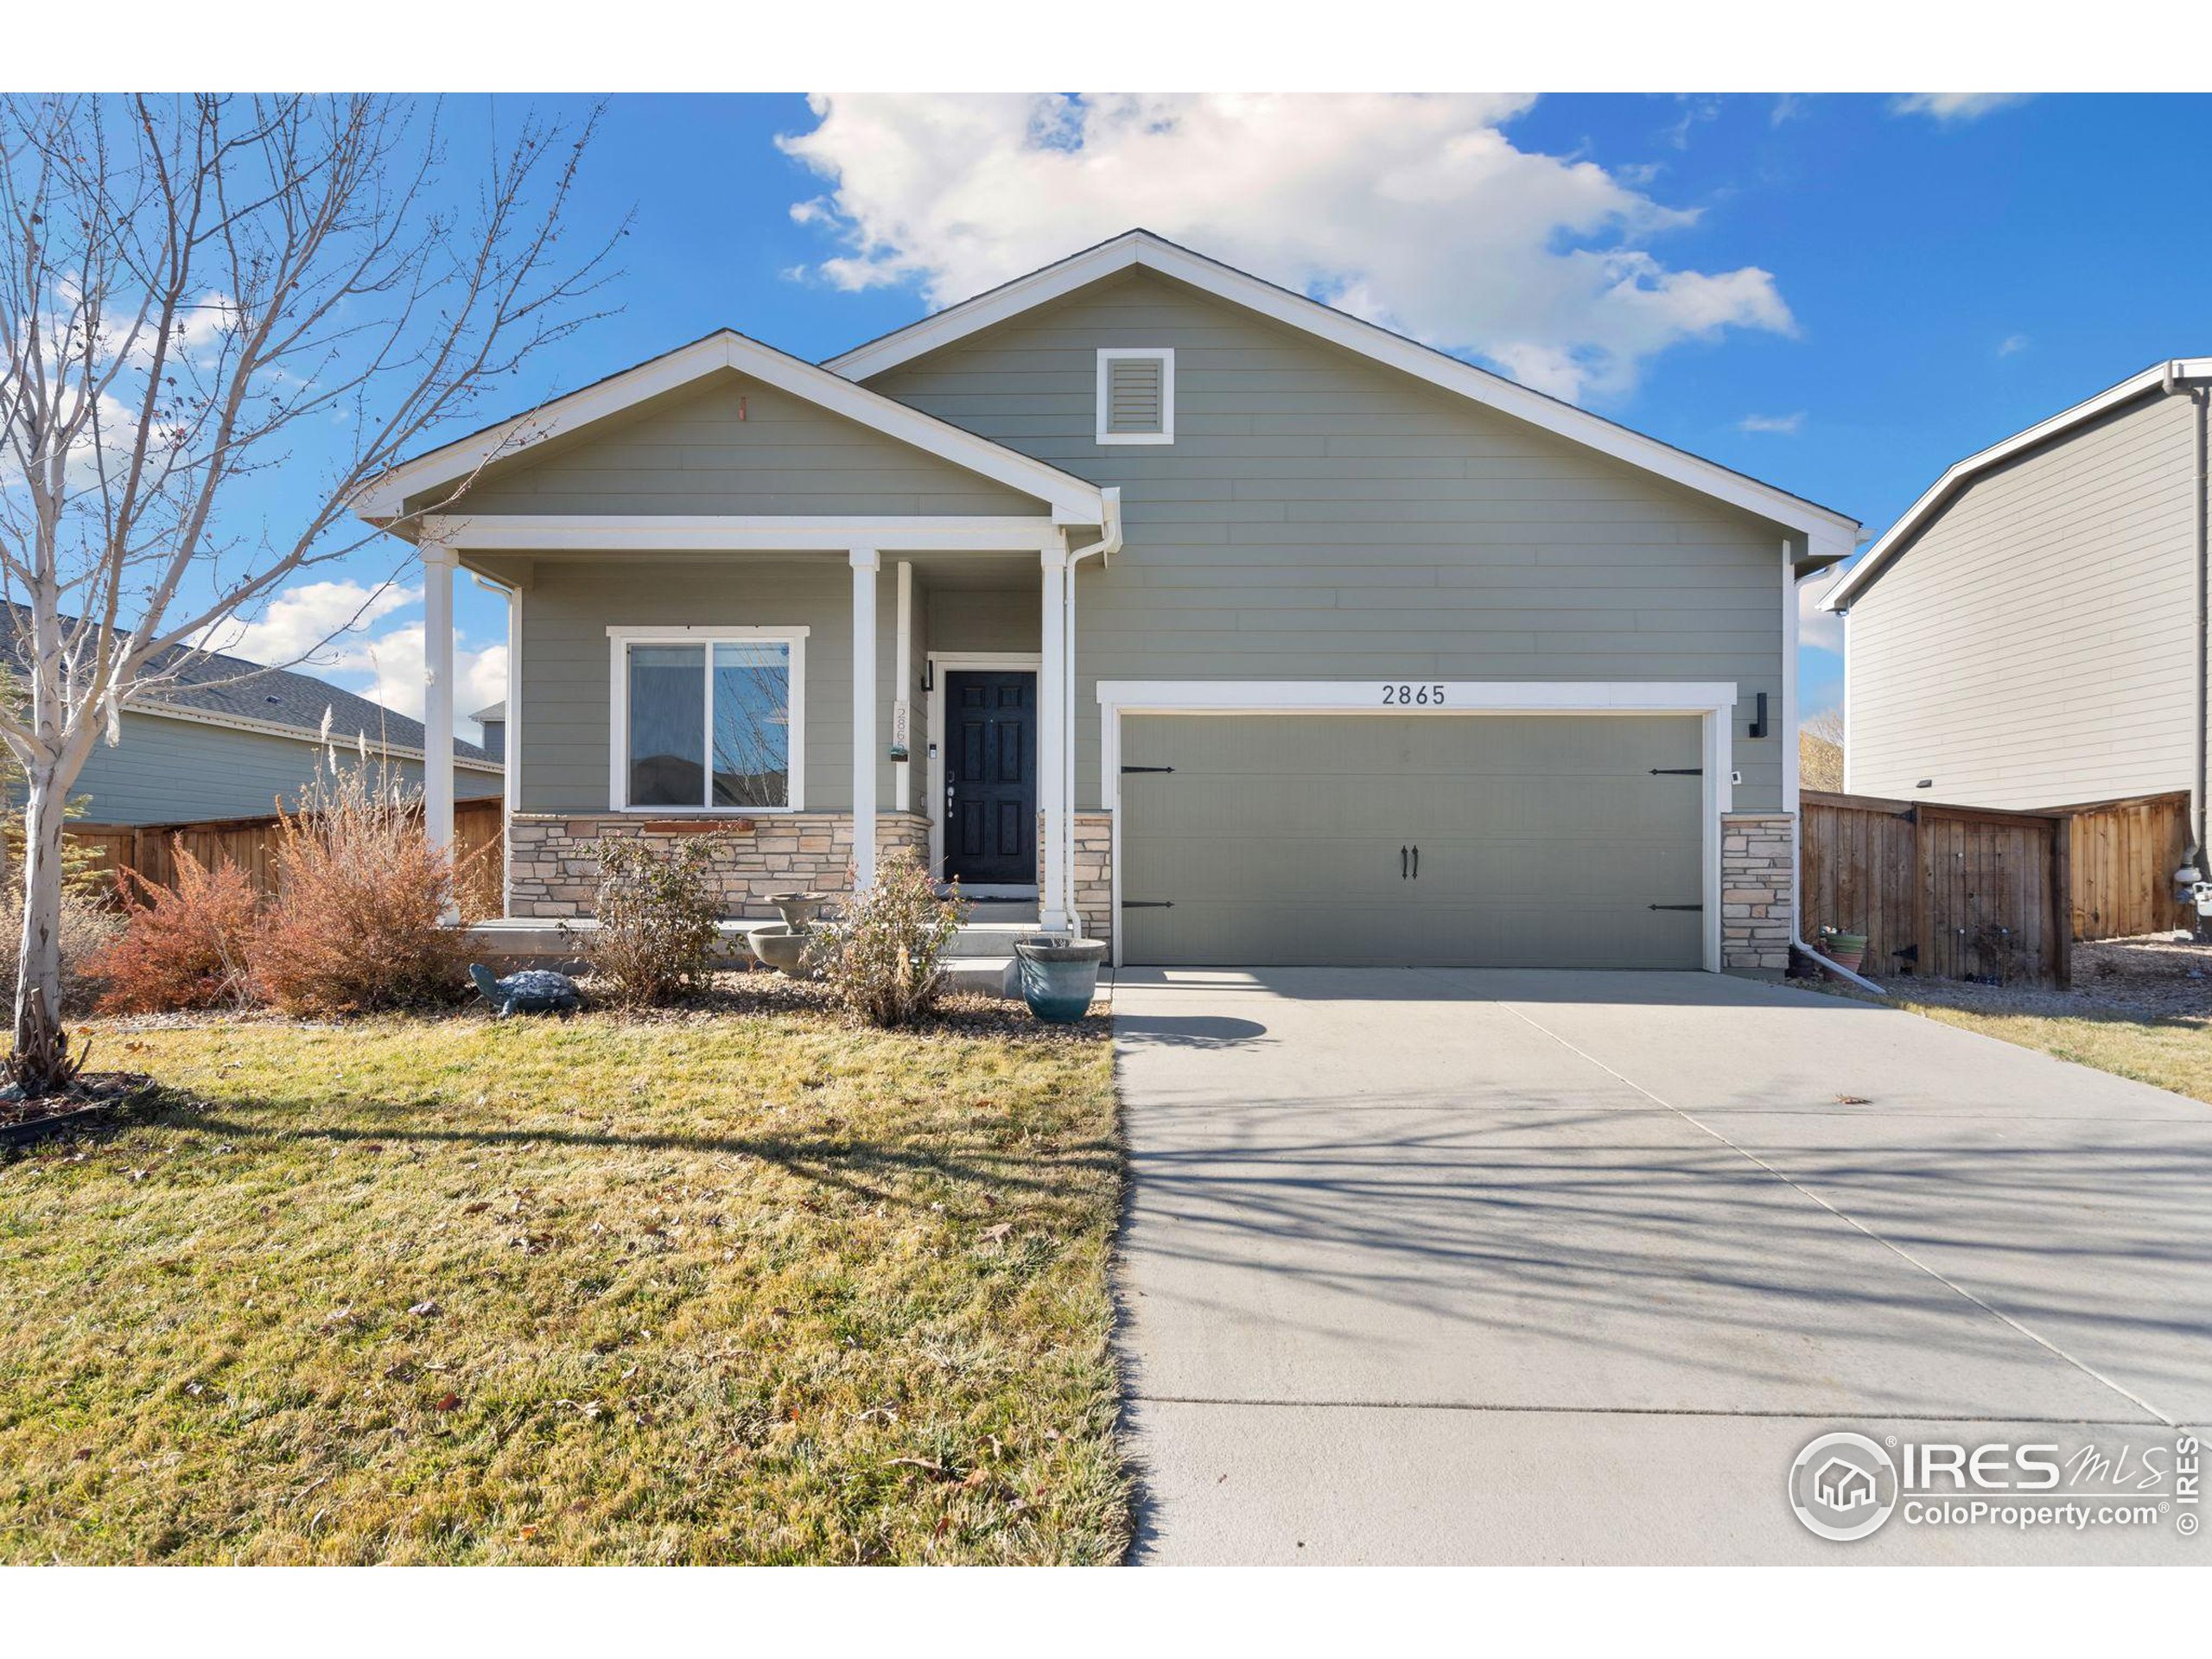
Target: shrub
{"type": "Point", "coordinates": [656, 913]}
{"type": "Point", "coordinates": [185, 947]}
{"type": "Point", "coordinates": [88, 928]}
{"type": "Point", "coordinates": [355, 925]}
{"type": "Point", "coordinates": [883, 958]}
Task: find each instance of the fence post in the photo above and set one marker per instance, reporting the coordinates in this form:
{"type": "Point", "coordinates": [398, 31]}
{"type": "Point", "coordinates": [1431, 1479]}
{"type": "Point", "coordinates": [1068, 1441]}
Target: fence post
{"type": "Point", "coordinates": [2062, 901]}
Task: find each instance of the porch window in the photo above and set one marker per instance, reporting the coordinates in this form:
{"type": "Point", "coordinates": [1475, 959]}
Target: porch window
{"type": "Point", "coordinates": [710, 723]}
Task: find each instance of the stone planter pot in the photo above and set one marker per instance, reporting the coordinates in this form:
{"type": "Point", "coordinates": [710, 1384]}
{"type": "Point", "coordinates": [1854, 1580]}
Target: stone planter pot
{"type": "Point", "coordinates": [782, 948]}
{"type": "Point", "coordinates": [1845, 950]}
{"type": "Point", "coordinates": [1058, 974]}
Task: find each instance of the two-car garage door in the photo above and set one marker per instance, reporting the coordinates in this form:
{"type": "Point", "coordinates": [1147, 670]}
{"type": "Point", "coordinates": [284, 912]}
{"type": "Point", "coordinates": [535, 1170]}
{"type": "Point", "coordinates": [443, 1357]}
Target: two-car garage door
{"type": "Point", "coordinates": [1562, 840]}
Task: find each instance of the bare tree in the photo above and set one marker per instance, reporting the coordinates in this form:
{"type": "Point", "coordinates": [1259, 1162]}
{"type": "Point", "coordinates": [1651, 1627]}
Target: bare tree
{"type": "Point", "coordinates": [1820, 750]}
{"type": "Point", "coordinates": [194, 290]}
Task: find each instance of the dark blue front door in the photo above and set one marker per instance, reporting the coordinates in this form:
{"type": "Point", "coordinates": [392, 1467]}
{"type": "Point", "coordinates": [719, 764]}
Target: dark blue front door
{"type": "Point", "coordinates": [990, 771]}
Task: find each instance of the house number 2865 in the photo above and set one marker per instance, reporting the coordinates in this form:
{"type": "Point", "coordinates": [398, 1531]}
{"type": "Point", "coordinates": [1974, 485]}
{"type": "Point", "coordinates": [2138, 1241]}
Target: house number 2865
{"type": "Point", "coordinates": [1411, 697]}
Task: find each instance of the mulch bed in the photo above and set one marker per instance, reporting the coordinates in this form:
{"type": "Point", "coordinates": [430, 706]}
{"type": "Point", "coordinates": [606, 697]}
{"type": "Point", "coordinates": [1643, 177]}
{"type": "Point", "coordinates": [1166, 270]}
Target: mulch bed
{"type": "Point", "coordinates": [736, 992]}
{"type": "Point", "coordinates": [2153, 976]}
{"type": "Point", "coordinates": [88, 1101]}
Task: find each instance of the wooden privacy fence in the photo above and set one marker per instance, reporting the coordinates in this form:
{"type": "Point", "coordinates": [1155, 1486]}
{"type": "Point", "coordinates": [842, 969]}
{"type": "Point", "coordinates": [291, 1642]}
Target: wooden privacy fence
{"type": "Point", "coordinates": [1953, 892]}
{"type": "Point", "coordinates": [478, 826]}
{"type": "Point", "coordinates": [2124, 856]}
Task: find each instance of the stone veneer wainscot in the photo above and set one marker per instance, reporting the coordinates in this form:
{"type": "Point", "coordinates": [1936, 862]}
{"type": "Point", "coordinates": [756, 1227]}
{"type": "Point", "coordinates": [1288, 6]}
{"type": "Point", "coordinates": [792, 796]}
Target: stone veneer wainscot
{"type": "Point", "coordinates": [1758, 892]}
{"type": "Point", "coordinates": [553, 873]}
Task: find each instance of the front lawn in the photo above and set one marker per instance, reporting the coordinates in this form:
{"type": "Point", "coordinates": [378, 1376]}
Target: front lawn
{"type": "Point", "coordinates": [737, 1286]}
{"type": "Point", "coordinates": [2167, 1052]}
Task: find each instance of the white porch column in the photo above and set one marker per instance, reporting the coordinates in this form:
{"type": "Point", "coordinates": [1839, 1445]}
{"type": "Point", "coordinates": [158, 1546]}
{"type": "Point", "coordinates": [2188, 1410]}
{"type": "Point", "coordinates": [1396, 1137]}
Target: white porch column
{"type": "Point", "coordinates": [1052, 745]}
{"type": "Point", "coordinates": [867, 562]}
{"type": "Point", "coordinates": [439, 564]}
{"type": "Point", "coordinates": [902, 773]}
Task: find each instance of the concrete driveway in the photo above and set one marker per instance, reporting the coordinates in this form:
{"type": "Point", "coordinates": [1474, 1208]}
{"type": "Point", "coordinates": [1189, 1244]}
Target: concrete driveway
{"type": "Point", "coordinates": [1523, 1267]}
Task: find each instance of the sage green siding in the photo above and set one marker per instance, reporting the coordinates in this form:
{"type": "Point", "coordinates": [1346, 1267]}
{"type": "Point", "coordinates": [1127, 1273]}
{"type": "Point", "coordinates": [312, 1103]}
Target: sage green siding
{"type": "Point", "coordinates": [184, 771]}
{"type": "Point", "coordinates": [567, 661]}
{"type": "Point", "coordinates": [986, 619]}
{"type": "Point", "coordinates": [2031, 646]}
{"type": "Point", "coordinates": [1320, 516]}
{"type": "Point", "coordinates": [735, 446]}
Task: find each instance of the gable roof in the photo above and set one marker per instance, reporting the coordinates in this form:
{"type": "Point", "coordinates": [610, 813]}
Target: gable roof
{"type": "Point", "coordinates": [1884, 552]}
{"type": "Point", "coordinates": [1829, 534]}
{"type": "Point", "coordinates": [211, 688]}
{"type": "Point", "coordinates": [1071, 500]}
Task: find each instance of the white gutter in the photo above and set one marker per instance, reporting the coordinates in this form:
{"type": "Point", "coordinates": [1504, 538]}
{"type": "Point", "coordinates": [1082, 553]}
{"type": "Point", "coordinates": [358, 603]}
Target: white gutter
{"type": "Point", "coordinates": [2165, 375]}
{"type": "Point", "coordinates": [1109, 543]}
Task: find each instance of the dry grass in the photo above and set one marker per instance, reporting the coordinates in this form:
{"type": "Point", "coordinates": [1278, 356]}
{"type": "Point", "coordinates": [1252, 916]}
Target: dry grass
{"type": "Point", "coordinates": [2138, 1008]}
{"type": "Point", "coordinates": [2168, 1052]}
{"type": "Point", "coordinates": [737, 1285]}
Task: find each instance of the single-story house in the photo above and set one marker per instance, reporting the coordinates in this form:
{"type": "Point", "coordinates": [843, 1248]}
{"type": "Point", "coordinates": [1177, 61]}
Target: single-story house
{"type": "Point", "coordinates": [1197, 614]}
{"type": "Point", "coordinates": [225, 738]}
{"type": "Point", "coordinates": [2032, 633]}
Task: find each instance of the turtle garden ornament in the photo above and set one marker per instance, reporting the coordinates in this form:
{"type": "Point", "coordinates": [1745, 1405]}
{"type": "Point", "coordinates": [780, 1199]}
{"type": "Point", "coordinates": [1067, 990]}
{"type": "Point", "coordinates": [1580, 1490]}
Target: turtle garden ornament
{"type": "Point", "coordinates": [534, 990]}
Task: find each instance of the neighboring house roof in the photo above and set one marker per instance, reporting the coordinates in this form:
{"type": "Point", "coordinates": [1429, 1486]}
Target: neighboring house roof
{"type": "Point", "coordinates": [1884, 552]}
{"type": "Point", "coordinates": [497, 712]}
{"type": "Point", "coordinates": [212, 688]}
{"type": "Point", "coordinates": [1072, 500]}
{"type": "Point", "coordinates": [1830, 534]}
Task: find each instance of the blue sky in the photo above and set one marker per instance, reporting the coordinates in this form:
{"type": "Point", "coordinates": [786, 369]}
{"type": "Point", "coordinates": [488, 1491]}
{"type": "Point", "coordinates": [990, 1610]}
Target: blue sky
{"type": "Point", "coordinates": [1840, 295]}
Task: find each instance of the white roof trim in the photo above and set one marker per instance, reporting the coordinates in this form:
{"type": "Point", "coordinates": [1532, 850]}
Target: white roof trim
{"type": "Point", "coordinates": [1827, 532]}
{"type": "Point", "coordinates": [1878, 557]}
{"type": "Point", "coordinates": [346, 745]}
{"type": "Point", "coordinates": [1072, 499]}
{"type": "Point", "coordinates": [681, 532]}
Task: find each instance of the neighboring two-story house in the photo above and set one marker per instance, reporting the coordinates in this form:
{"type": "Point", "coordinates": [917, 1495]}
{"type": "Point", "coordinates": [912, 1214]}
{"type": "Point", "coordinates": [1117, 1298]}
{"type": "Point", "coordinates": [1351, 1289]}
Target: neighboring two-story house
{"type": "Point", "coordinates": [1196, 614]}
{"type": "Point", "coordinates": [2032, 633]}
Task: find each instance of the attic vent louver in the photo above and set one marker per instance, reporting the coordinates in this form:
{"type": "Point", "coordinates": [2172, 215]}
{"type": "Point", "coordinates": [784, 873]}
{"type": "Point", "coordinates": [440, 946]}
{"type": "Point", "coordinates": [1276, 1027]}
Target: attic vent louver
{"type": "Point", "coordinates": [1137, 396]}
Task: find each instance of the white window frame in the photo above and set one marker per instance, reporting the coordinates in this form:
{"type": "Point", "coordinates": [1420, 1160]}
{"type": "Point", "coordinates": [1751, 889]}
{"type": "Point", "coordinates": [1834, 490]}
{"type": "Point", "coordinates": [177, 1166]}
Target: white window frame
{"type": "Point", "coordinates": [1167, 356]}
{"type": "Point", "coordinates": [619, 641]}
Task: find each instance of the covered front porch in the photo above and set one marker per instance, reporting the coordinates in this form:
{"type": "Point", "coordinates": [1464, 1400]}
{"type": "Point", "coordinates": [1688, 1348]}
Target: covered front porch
{"type": "Point", "coordinates": [741, 594]}
{"type": "Point", "coordinates": [894, 685]}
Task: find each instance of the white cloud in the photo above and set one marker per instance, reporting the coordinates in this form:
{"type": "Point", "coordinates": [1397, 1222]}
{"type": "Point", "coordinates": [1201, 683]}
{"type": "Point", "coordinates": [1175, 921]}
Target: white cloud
{"type": "Point", "coordinates": [1818, 630]}
{"type": "Point", "coordinates": [313, 623]}
{"type": "Point", "coordinates": [2011, 344]}
{"type": "Point", "coordinates": [330, 628]}
{"type": "Point", "coordinates": [1417, 212]}
{"type": "Point", "coordinates": [392, 662]}
{"type": "Point", "coordinates": [1788, 425]}
{"type": "Point", "coordinates": [1946, 108]}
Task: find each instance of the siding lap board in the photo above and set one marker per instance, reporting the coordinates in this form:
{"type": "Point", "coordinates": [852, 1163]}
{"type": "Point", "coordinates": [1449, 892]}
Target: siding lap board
{"type": "Point", "coordinates": [1319, 516]}
{"type": "Point", "coordinates": [2031, 647]}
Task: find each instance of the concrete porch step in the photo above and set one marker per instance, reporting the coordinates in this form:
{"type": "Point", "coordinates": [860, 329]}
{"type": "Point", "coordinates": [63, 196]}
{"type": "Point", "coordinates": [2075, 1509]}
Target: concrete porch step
{"type": "Point", "coordinates": [990, 939]}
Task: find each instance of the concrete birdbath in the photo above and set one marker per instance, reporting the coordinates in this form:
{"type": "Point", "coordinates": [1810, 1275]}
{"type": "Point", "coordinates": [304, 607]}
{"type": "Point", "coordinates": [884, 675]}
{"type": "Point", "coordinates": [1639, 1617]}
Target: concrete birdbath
{"type": "Point", "coordinates": [798, 910]}
{"type": "Point", "coordinates": [782, 947]}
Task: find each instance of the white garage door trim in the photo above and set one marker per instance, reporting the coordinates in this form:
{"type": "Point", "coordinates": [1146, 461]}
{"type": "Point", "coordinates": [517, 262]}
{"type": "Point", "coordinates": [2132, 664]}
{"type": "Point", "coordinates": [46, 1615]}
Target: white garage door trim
{"type": "Point", "coordinates": [1711, 701]}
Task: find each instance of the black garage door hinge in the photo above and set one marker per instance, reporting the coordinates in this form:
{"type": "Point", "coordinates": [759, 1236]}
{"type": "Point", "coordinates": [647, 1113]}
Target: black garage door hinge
{"type": "Point", "coordinates": [1129, 769]}
{"type": "Point", "coordinates": [1673, 907]}
{"type": "Point", "coordinates": [1147, 904]}
{"type": "Point", "coordinates": [1678, 772]}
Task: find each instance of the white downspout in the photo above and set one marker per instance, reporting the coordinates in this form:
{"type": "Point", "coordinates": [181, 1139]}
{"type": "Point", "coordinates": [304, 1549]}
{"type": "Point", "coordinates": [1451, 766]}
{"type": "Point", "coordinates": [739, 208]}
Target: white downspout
{"type": "Point", "coordinates": [1790, 787]}
{"type": "Point", "coordinates": [1110, 543]}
